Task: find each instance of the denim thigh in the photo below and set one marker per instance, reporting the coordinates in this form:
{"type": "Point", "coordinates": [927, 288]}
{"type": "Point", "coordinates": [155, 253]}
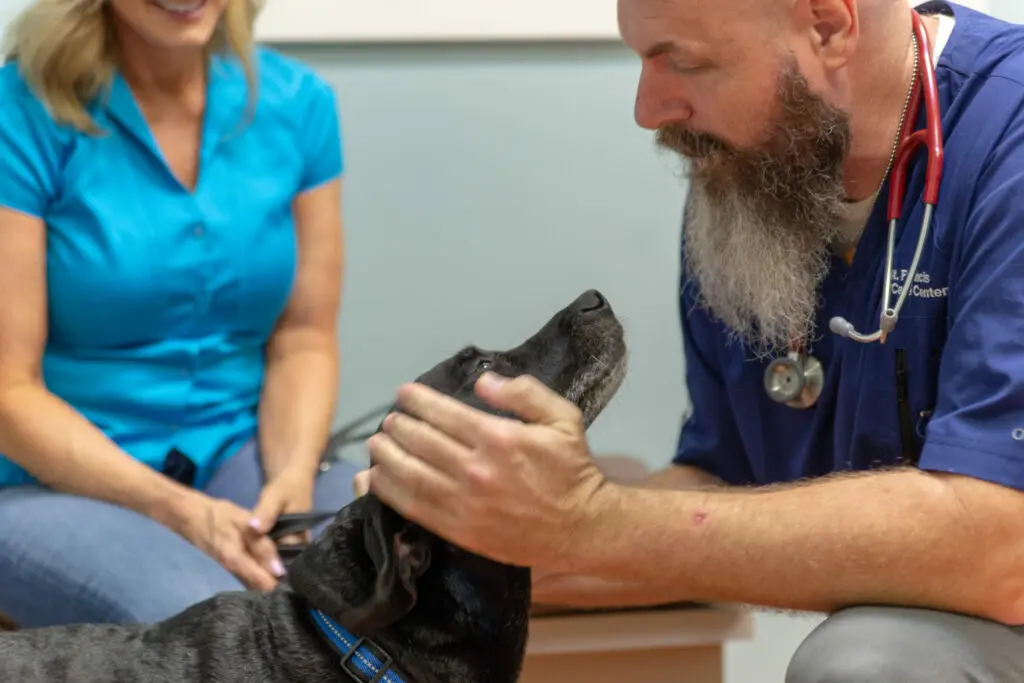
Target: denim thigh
{"type": "Point", "coordinates": [68, 559]}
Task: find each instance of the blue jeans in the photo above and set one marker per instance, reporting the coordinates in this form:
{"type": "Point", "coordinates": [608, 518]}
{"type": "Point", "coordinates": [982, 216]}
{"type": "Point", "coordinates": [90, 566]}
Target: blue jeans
{"type": "Point", "coordinates": [67, 559]}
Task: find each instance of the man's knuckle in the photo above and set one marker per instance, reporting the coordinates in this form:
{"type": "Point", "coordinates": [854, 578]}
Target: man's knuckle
{"type": "Point", "coordinates": [526, 384]}
{"type": "Point", "coordinates": [481, 475]}
{"type": "Point", "coordinates": [501, 435]}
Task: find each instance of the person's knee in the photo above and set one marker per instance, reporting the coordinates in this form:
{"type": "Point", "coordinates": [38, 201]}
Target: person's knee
{"type": "Point", "coordinates": [871, 645]}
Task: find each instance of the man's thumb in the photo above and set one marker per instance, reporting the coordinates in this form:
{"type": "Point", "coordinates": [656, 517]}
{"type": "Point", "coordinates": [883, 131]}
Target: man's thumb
{"type": "Point", "coordinates": [361, 483]}
{"type": "Point", "coordinates": [527, 397]}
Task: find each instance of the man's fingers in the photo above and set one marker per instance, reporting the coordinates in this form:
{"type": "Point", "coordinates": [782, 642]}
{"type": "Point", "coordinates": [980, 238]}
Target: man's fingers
{"type": "Point", "coordinates": [528, 398]}
{"type": "Point", "coordinates": [361, 483]}
{"type": "Point", "coordinates": [414, 489]}
{"type": "Point", "coordinates": [428, 444]}
{"type": "Point", "coordinates": [444, 413]}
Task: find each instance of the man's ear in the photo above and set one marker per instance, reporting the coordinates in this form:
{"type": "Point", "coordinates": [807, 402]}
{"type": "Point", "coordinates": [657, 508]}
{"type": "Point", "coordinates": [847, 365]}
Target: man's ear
{"type": "Point", "coordinates": [400, 552]}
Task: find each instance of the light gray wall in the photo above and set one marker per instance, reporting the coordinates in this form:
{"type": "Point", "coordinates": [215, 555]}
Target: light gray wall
{"type": "Point", "coordinates": [487, 187]}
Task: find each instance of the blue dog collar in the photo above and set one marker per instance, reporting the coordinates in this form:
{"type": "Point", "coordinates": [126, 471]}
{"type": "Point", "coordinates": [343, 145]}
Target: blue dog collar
{"type": "Point", "coordinates": [358, 655]}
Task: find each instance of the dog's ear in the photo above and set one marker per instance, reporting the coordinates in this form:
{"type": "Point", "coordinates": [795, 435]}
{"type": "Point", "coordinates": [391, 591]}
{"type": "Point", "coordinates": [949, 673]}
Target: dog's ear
{"type": "Point", "coordinates": [400, 553]}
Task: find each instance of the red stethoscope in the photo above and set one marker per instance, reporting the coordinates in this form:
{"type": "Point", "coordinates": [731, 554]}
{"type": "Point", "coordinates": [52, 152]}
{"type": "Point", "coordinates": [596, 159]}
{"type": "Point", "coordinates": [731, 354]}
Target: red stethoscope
{"type": "Point", "coordinates": [797, 378]}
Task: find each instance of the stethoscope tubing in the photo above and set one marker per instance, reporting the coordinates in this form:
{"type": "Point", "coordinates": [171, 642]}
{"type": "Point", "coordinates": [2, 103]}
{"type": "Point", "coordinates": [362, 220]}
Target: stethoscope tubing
{"type": "Point", "coordinates": [796, 380]}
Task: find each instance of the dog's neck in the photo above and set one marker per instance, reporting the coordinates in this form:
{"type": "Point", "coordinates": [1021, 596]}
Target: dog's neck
{"type": "Point", "coordinates": [442, 615]}
{"type": "Point", "coordinates": [361, 658]}
{"type": "Point", "coordinates": [448, 637]}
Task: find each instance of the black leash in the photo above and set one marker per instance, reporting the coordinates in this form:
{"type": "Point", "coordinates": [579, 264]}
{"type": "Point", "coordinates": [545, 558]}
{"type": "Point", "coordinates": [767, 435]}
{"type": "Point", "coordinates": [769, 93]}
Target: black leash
{"type": "Point", "coordinates": [348, 435]}
{"type": "Point", "coordinates": [299, 522]}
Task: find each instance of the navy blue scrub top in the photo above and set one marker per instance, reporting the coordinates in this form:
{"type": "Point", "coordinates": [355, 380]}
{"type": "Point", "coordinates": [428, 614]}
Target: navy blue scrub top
{"type": "Point", "coordinates": [961, 330]}
{"type": "Point", "coordinates": [161, 299]}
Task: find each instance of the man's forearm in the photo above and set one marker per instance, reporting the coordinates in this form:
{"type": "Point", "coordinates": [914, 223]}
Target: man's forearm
{"type": "Point", "coordinates": [297, 404]}
{"type": "Point", "coordinates": [681, 478]}
{"type": "Point", "coordinates": [899, 537]}
{"type": "Point", "coordinates": [580, 590]}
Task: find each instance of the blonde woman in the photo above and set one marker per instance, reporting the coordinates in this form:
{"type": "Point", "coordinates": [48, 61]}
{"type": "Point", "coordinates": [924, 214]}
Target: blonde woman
{"type": "Point", "coordinates": [171, 263]}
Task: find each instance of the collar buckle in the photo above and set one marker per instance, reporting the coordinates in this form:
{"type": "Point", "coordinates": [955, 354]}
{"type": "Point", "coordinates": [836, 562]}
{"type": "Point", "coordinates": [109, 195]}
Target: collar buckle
{"type": "Point", "coordinates": [359, 670]}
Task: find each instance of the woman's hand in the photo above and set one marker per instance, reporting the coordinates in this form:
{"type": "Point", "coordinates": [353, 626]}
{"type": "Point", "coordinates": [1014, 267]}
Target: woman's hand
{"type": "Point", "coordinates": [290, 491]}
{"type": "Point", "coordinates": [230, 534]}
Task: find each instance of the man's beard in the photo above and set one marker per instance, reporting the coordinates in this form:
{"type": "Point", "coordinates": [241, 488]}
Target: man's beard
{"type": "Point", "coordinates": [759, 221]}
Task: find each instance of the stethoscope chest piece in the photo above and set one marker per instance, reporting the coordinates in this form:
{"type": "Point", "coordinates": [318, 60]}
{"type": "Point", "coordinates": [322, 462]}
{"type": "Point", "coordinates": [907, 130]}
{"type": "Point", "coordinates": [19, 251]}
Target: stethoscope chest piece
{"type": "Point", "coordinates": [795, 380]}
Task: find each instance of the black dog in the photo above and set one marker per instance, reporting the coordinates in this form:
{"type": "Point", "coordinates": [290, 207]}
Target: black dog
{"type": "Point", "coordinates": [424, 611]}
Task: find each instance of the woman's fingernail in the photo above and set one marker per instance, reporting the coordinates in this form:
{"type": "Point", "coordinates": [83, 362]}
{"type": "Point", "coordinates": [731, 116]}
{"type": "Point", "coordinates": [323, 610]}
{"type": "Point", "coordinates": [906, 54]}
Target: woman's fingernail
{"type": "Point", "coordinates": [255, 524]}
{"type": "Point", "coordinates": [277, 568]}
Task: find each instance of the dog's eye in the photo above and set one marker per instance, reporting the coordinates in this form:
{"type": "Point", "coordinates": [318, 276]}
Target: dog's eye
{"type": "Point", "coordinates": [482, 365]}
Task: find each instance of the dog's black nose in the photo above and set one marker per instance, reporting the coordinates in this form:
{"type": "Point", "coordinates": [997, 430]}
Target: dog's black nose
{"type": "Point", "coordinates": [590, 301]}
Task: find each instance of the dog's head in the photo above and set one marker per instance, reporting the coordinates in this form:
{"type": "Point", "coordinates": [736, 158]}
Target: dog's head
{"type": "Point", "coordinates": [372, 568]}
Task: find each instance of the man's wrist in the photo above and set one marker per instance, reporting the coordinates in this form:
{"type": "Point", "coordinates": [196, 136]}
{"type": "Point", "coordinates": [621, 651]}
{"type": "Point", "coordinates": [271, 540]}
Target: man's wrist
{"type": "Point", "coordinates": [589, 539]}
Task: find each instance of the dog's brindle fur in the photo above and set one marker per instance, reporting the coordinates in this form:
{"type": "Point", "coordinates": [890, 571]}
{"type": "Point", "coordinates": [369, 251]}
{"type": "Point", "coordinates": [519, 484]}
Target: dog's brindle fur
{"type": "Point", "coordinates": [443, 614]}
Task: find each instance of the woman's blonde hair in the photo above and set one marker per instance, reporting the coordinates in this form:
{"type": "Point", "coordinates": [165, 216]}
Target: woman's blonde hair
{"type": "Point", "coordinates": [67, 51]}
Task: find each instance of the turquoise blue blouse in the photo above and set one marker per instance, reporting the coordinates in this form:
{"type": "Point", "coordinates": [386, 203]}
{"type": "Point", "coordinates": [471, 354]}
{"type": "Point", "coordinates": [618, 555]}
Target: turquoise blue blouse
{"type": "Point", "coordinates": [161, 299]}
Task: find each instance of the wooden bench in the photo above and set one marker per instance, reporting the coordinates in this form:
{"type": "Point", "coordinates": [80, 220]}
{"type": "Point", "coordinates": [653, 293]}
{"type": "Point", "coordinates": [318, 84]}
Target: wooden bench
{"type": "Point", "coordinates": [662, 644]}
{"type": "Point", "coordinates": [672, 643]}
{"type": "Point", "coordinates": [6, 624]}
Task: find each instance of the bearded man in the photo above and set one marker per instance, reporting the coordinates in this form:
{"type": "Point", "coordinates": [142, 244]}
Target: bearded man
{"type": "Point", "coordinates": [888, 492]}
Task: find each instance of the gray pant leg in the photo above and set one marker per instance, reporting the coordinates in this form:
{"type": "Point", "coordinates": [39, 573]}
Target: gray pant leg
{"type": "Point", "coordinates": [904, 645]}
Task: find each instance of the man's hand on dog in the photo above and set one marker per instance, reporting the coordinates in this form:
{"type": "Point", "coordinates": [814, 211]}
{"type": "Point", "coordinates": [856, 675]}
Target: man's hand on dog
{"type": "Point", "coordinates": [518, 492]}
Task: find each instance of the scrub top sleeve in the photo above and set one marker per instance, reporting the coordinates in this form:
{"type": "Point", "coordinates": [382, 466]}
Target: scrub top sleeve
{"type": "Point", "coordinates": [977, 428]}
{"type": "Point", "coordinates": [321, 137]}
{"type": "Point", "coordinates": [30, 152]}
{"type": "Point", "coordinates": [708, 439]}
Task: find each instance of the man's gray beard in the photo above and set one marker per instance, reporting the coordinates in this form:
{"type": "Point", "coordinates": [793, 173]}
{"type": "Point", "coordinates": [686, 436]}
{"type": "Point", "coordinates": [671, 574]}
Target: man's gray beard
{"type": "Point", "coordinates": [758, 266]}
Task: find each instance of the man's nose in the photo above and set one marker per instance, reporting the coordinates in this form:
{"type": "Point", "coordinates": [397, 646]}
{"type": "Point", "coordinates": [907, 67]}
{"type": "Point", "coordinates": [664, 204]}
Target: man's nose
{"type": "Point", "coordinates": [658, 105]}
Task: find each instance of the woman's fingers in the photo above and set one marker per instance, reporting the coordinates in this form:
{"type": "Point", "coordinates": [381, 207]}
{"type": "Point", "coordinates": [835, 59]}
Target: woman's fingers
{"type": "Point", "coordinates": [250, 556]}
{"type": "Point", "coordinates": [264, 551]}
{"type": "Point", "coordinates": [237, 560]}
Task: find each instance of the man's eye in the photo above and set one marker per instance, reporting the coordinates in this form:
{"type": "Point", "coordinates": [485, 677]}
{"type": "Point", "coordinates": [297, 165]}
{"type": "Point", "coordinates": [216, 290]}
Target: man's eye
{"type": "Point", "coordinates": [689, 68]}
